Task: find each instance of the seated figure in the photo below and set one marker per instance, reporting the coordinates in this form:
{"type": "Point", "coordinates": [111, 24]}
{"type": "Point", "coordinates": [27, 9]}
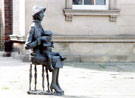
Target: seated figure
{"type": "Point", "coordinates": [40, 42]}
{"type": "Point", "coordinates": [47, 43]}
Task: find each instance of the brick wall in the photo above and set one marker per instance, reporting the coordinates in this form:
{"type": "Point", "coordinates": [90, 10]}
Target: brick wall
{"type": "Point", "coordinates": [8, 18]}
{"type": "Point", "coordinates": [7, 29]}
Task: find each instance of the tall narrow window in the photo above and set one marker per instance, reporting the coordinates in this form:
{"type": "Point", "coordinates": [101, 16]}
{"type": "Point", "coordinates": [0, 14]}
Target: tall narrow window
{"type": "Point", "coordinates": [90, 4]}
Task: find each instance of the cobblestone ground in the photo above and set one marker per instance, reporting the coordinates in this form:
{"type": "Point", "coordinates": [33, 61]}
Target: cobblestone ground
{"type": "Point", "coordinates": [79, 80]}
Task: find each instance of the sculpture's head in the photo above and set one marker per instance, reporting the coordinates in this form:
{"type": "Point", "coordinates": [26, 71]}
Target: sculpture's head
{"type": "Point", "coordinates": [48, 33]}
{"type": "Point", "coordinates": [38, 12]}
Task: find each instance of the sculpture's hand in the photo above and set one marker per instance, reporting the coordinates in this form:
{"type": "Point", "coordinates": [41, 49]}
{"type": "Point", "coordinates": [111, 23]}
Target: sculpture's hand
{"type": "Point", "coordinates": [31, 45]}
{"type": "Point", "coordinates": [40, 39]}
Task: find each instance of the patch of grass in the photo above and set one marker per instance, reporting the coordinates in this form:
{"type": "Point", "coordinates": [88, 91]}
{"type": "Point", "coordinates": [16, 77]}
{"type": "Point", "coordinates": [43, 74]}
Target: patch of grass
{"type": "Point", "coordinates": [4, 88]}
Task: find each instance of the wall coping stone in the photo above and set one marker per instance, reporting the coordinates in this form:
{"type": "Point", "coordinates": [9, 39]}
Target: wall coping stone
{"type": "Point", "coordinates": [84, 39]}
{"type": "Point", "coordinates": [95, 39]}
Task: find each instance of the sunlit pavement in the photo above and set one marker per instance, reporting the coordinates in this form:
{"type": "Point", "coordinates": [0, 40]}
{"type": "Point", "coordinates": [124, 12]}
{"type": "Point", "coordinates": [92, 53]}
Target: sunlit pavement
{"type": "Point", "coordinates": [78, 80]}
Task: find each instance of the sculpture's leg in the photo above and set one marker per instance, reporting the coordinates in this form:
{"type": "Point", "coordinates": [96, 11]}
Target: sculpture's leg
{"type": "Point", "coordinates": [30, 76]}
{"type": "Point", "coordinates": [57, 81]}
{"type": "Point", "coordinates": [35, 77]}
{"type": "Point", "coordinates": [61, 57]}
{"type": "Point", "coordinates": [47, 76]}
{"type": "Point", "coordinates": [50, 63]}
{"type": "Point", "coordinates": [43, 79]}
{"type": "Point", "coordinates": [54, 83]}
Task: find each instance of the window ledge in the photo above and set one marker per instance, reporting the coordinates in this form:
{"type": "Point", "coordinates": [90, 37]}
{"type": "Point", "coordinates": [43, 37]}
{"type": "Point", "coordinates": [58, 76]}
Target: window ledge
{"type": "Point", "coordinates": [95, 39]}
{"type": "Point", "coordinates": [69, 13]}
{"type": "Point", "coordinates": [17, 38]}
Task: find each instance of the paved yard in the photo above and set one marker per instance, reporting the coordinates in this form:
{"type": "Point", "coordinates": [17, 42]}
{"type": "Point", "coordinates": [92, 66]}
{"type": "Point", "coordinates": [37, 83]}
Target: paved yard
{"type": "Point", "coordinates": [79, 80]}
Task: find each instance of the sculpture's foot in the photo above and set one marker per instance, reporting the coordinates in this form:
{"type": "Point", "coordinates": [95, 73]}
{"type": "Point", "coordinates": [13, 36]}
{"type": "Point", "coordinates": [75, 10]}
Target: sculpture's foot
{"type": "Point", "coordinates": [58, 93]}
{"type": "Point", "coordinates": [56, 88]}
{"type": "Point", "coordinates": [61, 89]}
{"type": "Point", "coordinates": [63, 58]}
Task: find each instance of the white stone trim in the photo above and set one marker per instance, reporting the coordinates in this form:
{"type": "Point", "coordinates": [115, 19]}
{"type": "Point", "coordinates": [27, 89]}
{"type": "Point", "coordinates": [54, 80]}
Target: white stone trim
{"type": "Point", "coordinates": [72, 12]}
{"type": "Point", "coordinates": [22, 17]}
{"type": "Point", "coordinates": [17, 38]}
{"type": "Point", "coordinates": [84, 39]}
{"type": "Point", "coordinates": [94, 39]}
{"type": "Point", "coordinates": [69, 4]}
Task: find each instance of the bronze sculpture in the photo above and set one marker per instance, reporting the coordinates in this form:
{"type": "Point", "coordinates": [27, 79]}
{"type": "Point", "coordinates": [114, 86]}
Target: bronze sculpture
{"type": "Point", "coordinates": [40, 42]}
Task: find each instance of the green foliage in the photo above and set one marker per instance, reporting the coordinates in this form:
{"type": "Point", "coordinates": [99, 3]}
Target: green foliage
{"type": "Point", "coordinates": [102, 66]}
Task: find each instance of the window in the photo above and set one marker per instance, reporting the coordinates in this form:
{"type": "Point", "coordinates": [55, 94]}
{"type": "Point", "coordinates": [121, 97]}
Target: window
{"type": "Point", "coordinates": [91, 8]}
{"type": "Point", "coordinates": [91, 4]}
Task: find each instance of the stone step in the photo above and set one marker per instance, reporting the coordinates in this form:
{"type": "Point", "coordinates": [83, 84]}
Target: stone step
{"type": "Point", "coordinates": [1, 53]}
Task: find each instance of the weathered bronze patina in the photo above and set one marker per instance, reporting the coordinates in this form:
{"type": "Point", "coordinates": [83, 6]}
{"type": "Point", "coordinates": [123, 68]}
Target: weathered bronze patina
{"type": "Point", "coordinates": [40, 41]}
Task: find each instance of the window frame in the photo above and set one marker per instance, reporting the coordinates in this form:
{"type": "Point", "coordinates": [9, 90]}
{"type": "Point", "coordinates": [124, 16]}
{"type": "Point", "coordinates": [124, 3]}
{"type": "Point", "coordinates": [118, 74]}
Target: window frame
{"type": "Point", "coordinates": [92, 7]}
{"type": "Point", "coordinates": [113, 12]}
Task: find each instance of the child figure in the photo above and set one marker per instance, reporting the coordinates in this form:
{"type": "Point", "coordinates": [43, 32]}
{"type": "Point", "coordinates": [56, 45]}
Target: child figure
{"type": "Point", "coordinates": [47, 43]}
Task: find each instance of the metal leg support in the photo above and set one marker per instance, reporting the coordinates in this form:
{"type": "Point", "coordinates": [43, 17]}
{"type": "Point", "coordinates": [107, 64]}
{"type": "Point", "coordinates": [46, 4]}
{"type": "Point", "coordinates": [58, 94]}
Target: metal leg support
{"type": "Point", "coordinates": [47, 77]}
{"type": "Point", "coordinates": [43, 79]}
{"type": "Point", "coordinates": [30, 77]}
{"type": "Point", "coordinates": [35, 77]}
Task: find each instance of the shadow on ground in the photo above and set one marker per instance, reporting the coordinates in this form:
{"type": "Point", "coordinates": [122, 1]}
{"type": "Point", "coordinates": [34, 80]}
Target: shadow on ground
{"type": "Point", "coordinates": [118, 67]}
{"type": "Point", "coordinates": [68, 96]}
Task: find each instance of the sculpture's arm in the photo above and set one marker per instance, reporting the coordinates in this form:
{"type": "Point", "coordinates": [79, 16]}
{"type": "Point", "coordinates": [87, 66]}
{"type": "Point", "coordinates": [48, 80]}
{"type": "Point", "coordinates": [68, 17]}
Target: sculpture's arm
{"type": "Point", "coordinates": [30, 44]}
{"type": "Point", "coordinates": [47, 44]}
{"type": "Point", "coordinates": [45, 38]}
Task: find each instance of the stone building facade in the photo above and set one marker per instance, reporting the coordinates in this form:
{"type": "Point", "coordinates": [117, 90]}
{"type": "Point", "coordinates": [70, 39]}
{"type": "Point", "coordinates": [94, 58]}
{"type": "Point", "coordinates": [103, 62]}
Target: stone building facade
{"type": "Point", "coordinates": [103, 32]}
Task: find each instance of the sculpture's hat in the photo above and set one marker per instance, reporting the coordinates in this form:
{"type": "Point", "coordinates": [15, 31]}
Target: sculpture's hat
{"type": "Point", "coordinates": [37, 9]}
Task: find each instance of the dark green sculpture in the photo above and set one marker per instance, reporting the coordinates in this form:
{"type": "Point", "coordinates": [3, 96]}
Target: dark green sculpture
{"type": "Point", "coordinates": [41, 43]}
